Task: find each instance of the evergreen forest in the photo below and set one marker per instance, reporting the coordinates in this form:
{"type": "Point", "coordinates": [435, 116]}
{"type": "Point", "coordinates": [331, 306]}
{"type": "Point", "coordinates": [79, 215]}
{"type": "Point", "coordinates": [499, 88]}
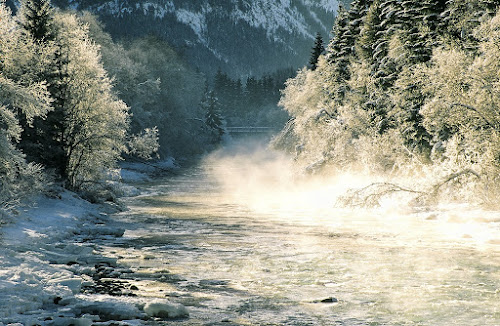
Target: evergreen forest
{"type": "Point", "coordinates": [408, 90]}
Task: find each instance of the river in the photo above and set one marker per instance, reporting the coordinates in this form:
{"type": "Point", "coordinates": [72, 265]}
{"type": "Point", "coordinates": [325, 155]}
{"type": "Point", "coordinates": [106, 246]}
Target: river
{"type": "Point", "coordinates": [239, 241]}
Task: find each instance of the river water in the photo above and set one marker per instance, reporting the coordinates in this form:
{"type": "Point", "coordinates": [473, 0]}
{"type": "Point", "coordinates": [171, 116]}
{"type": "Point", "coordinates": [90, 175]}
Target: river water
{"type": "Point", "coordinates": [239, 241]}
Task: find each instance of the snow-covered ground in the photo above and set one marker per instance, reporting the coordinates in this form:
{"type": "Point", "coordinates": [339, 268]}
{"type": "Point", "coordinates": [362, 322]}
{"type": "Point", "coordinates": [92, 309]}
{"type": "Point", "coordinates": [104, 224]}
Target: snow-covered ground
{"type": "Point", "coordinates": [49, 265]}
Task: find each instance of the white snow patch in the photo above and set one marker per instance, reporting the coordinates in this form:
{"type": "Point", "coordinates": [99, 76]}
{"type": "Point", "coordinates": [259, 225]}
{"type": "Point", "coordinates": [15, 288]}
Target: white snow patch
{"type": "Point", "coordinates": [133, 176]}
{"type": "Point", "coordinates": [34, 251]}
{"type": "Point", "coordinates": [159, 10]}
{"type": "Point", "coordinates": [137, 171]}
{"type": "Point", "coordinates": [327, 5]}
{"type": "Point", "coordinates": [165, 309]}
{"type": "Point", "coordinates": [273, 16]}
{"type": "Point", "coordinates": [111, 307]}
{"type": "Point", "coordinates": [116, 7]}
{"type": "Point", "coordinates": [196, 20]}
{"type": "Point", "coordinates": [45, 260]}
{"type": "Point", "coordinates": [317, 20]}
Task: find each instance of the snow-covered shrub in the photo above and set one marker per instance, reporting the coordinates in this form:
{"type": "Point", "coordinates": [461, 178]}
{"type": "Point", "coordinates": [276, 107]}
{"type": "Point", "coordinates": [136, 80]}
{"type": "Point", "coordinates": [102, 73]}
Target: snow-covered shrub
{"type": "Point", "coordinates": [144, 145]}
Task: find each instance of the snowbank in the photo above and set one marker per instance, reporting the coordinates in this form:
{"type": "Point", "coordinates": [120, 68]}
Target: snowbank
{"type": "Point", "coordinates": [140, 171]}
{"type": "Point", "coordinates": [48, 255]}
{"type": "Point", "coordinates": [34, 254]}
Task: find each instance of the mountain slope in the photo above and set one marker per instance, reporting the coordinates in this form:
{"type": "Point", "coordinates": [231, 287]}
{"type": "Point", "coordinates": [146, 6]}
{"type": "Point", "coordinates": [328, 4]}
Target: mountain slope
{"type": "Point", "coordinates": [242, 37]}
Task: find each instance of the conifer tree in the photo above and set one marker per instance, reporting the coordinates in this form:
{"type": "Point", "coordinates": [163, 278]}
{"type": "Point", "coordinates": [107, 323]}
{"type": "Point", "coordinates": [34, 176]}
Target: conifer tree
{"type": "Point", "coordinates": [20, 96]}
{"type": "Point", "coordinates": [37, 19]}
{"type": "Point", "coordinates": [213, 116]}
{"type": "Point", "coordinates": [43, 140]}
{"type": "Point", "coordinates": [341, 47]}
{"type": "Point", "coordinates": [317, 50]}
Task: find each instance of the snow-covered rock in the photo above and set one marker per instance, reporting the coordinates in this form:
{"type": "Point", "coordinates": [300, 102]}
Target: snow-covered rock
{"type": "Point", "coordinates": [165, 309]}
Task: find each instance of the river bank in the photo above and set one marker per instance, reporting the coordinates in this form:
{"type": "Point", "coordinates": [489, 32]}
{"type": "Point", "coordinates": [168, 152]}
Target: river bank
{"type": "Point", "coordinates": [51, 270]}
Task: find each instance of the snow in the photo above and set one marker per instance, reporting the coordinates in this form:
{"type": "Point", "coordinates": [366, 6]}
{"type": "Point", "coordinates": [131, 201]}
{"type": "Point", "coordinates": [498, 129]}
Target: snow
{"type": "Point", "coordinates": [159, 10]}
{"type": "Point", "coordinates": [274, 15]}
{"type": "Point", "coordinates": [28, 280]}
{"type": "Point", "coordinates": [269, 15]}
{"type": "Point", "coordinates": [195, 20]}
{"type": "Point", "coordinates": [134, 172]}
{"type": "Point", "coordinates": [165, 309]}
{"type": "Point", "coordinates": [46, 258]}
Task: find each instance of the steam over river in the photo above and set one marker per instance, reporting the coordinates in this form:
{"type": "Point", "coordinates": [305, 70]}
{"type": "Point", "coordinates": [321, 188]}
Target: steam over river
{"type": "Point", "coordinates": [239, 240]}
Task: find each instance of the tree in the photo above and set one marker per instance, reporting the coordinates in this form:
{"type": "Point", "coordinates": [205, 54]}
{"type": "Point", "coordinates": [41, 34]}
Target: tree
{"type": "Point", "coordinates": [461, 18]}
{"type": "Point", "coordinates": [37, 19]}
{"type": "Point", "coordinates": [341, 48]}
{"type": "Point", "coordinates": [42, 140]}
{"type": "Point", "coordinates": [20, 94]}
{"type": "Point", "coordinates": [317, 50]}
{"type": "Point", "coordinates": [96, 121]}
{"type": "Point", "coordinates": [213, 116]}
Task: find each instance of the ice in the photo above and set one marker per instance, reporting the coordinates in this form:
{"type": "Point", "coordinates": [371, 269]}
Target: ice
{"type": "Point", "coordinates": [35, 250]}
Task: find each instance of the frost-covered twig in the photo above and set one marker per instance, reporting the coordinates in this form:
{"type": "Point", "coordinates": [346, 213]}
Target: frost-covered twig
{"type": "Point", "coordinates": [473, 109]}
{"type": "Point", "coordinates": [323, 112]}
{"type": "Point", "coordinates": [451, 177]}
{"type": "Point", "coordinates": [371, 195]}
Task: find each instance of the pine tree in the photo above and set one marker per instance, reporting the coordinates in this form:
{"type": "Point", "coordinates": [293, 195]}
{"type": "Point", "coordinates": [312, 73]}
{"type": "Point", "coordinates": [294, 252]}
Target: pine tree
{"type": "Point", "coordinates": [20, 96]}
{"type": "Point", "coordinates": [213, 116]}
{"type": "Point", "coordinates": [417, 39]}
{"type": "Point", "coordinates": [43, 140]}
{"type": "Point", "coordinates": [421, 25]}
{"type": "Point", "coordinates": [316, 52]}
{"type": "Point", "coordinates": [37, 19]}
{"type": "Point", "coordinates": [341, 48]}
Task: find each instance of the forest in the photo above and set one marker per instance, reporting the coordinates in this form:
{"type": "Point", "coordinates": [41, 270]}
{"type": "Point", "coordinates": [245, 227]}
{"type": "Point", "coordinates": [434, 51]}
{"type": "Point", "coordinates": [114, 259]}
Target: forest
{"type": "Point", "coordinates": [404, 89]}
{"type": "Point", "coordinates": [75, 102]}
{"type": "Point", "coordinates": [408, 90]}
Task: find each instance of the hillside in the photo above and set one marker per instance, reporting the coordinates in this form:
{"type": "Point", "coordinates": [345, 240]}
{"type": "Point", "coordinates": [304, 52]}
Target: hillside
{"type": "Point", "coordinates": [239, 36]}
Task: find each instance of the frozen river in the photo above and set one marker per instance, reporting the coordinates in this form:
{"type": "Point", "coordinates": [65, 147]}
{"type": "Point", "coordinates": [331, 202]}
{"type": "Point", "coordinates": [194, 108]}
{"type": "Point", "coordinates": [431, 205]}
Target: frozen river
{"type": "Point", "coordinates": [240, 245]}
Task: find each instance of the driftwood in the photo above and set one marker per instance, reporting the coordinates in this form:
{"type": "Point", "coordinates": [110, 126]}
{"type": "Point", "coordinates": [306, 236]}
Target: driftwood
{"type": "Point", "coordinates": [371, 195]}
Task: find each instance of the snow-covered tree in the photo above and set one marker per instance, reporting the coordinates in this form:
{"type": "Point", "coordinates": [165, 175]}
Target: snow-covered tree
{"type": "Point", "coordinates": [37, 18]}
{"type": "Point", "coordinates": [42, 140]}
{"type": "Point", "coordinates": [96, 121]}
{"type": "Point", "coordinates": [20, 95]}
{"type": "Point", "coordinates": [316, 51]}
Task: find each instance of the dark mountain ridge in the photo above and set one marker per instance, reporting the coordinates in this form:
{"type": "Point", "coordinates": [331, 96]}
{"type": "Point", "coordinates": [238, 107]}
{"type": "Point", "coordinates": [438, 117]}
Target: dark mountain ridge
{"type": "Point", "coordinates": [240, 37]}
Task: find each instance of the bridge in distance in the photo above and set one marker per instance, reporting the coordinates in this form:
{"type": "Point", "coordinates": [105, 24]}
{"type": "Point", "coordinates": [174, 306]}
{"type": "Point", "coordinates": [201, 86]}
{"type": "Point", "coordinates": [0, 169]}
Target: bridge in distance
{"type": "Point", "coordinates": [244, 130]}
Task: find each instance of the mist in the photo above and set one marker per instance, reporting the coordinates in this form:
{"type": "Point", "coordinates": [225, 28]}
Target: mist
{"type": "Point", "coordinates": [270, 183]}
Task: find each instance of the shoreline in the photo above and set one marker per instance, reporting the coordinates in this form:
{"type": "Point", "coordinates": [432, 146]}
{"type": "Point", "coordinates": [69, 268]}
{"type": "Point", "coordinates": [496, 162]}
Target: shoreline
{"type": "Point", "coordinates": [52, 273]}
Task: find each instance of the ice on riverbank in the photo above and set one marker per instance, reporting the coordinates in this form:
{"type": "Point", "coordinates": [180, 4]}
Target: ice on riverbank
{"type": "Point", "coordinates": [165, 309]}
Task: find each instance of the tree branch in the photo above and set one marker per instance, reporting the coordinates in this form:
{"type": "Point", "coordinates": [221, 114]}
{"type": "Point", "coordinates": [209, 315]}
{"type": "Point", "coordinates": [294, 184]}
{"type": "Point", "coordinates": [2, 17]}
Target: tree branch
{"type": "Point", "coordinates": [471, 108]}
